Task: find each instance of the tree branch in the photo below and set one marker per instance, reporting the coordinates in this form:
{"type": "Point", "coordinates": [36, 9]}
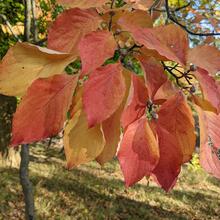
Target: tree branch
{"type": "Point", "coordinates": [173, 19]}
{"type": "Point", "coordinates": [26, 184]}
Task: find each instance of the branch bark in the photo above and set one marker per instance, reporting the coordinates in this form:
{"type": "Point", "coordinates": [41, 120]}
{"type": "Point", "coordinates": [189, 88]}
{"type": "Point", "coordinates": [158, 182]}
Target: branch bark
{"type": "Point", "coordinates": [26, 183]}
{"type": "Point", "coordinates": [24, 174]}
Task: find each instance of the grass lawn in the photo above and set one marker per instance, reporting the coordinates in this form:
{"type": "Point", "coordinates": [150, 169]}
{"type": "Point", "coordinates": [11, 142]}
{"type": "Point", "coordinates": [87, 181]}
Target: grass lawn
{"type": "Point", "coordinates": [92, 192]}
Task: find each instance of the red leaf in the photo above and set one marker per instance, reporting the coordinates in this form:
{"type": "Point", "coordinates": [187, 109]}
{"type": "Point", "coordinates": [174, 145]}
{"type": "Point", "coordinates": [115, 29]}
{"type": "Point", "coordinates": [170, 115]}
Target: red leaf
{"type": "Point", "coordinates": [165, 92]}
{"type": "Point", "coordinates": [209, 142]}
{"type": "Point", "coordinates": [103, 93]}
{"type": "Point", "coordinates": [69, 28]}
{"type": "Point", "coordinates": [43, 109]}
{"type": "Point", "coordinates": [25, 63]}
{"type": "Point", "coordinates": [139, 152]}
{"type": "Point", "coordinates": [154, 75]}
{"type": "Point", "coordinates": [138, 102]}
{"type": "Point", "coordinates": [169, 41]}
{"type": "Point", "coordinates": [95, 48]}
{"type": "Point", "coordinates": [169, 166]}
{"type": "Point", "coordinates": [210, 89]}
{"type": "Point", "coordinates": [176, 117]}
{"type": "Point", "coordinates": [206, 57]}
{"type": "Point", "coordinates": [112, 127]}
{"type": "Point", "coordinates": [83, 4]}
{"type": "Point", "coordinates": [134, 19]}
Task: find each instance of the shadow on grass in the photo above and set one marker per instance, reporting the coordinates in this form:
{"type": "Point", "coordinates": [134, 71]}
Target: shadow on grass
{"type": "Point", "coordinates": [83, 194]}
{"type": "Point", "coordinates": [108, 197]}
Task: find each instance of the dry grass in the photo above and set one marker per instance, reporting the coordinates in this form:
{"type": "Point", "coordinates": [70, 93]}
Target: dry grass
{"type": "Point", "coordinates": [91, 192]}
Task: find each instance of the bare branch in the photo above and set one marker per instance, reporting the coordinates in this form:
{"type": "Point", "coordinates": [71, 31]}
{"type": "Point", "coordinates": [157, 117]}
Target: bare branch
{"type": "Point", "coordinates": [173, 19]}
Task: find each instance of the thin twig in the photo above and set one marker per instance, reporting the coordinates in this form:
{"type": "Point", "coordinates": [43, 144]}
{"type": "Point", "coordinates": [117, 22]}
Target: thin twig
{"type": "Point", "coordinates": [169, 71]}
{"type": "Point", "coordinates": [112, 4]}
{"type": "Point", "coordinates": [171, 10]}
{"type": "Point", "coordinates": [172, 18]}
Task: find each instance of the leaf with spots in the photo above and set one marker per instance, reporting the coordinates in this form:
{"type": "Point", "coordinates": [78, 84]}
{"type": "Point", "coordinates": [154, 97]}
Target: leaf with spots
{"type": "Point", "coordinates": [209, 124]}
{"type": "Point", "coordinates": [25, 63]}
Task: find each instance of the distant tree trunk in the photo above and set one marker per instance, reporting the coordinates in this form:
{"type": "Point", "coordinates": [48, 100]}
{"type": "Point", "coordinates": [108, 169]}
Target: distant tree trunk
{"type": "Point", "coordinates": [27, 24]}
{"type": "Point", "coordinates": [34, 22]}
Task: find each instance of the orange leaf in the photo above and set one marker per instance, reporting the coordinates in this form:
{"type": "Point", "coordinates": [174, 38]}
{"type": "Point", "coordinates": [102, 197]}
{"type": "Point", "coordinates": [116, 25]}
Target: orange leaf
{"type": "Point", "coordinates": [82, 144]}
{"type": "Point", "coordinates": [25, 63]}
{"type": "Point", "coordinates": [135, 19]}
{"type": "Point", "coordinates": [154, 74]}
{"type": "Point", "coordinates": [139, 151]}
{"type": "Point", "coordinates": [176, 117]}
{"type": "Point", "coordinates": [69, 28]}
{"type": "Point", "coordinates": [138, 102]}
{"type": "Point", "coordinates": [103, 93]}
{"type": "Point", "coordinates": [209, 124]}
{"type": "Point", "coordinates": [210, 89]}
{"type": "Point", "coordinates": [43, 109]}
{"type": "Point", "coordinates": [165, 92]}
{"type": "Point", "coordinates": [206, 57]}
{"type": "Point", "coordinates": [204, 104]}
{"type": "Point", "coordinates": [169, 41]}
{"type": "Point", "coordinates": [171, 157]}
{"type": "Point", "coordinates": [83, 4]}
{"type": "Point", "coordinates": [95, 48]}
{"type": "Point", "coordinates": [140, 4]}
{"type": "Point", "coordinates": [112, 127]}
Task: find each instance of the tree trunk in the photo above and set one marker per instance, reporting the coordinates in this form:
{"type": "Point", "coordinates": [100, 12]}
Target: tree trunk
{"type": "Point", "coordinates": [24, 174]}
{"type": "Point", "coordinates": [26, 183]}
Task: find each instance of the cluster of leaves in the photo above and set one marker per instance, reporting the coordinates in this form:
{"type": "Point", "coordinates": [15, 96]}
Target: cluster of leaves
{"type": "Point", "coordinates": [147, 114]}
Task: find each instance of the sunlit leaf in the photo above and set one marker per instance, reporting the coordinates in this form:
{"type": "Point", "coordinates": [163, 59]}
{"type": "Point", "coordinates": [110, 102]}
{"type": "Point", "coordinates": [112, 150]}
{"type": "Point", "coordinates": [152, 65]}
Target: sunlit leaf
{"type": "Point", "coordinates": [95, 48]}
{"type": "Point", "coordinates": [139, 151]}
{"type": "Point", "coordinates": [103, 93]}
{"type": "Point", "coordinates": [42, 111]}
{"type": "Point", "coordinates": [68, 29]}
{"type": "Point", "coordinates": [25, 63]}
